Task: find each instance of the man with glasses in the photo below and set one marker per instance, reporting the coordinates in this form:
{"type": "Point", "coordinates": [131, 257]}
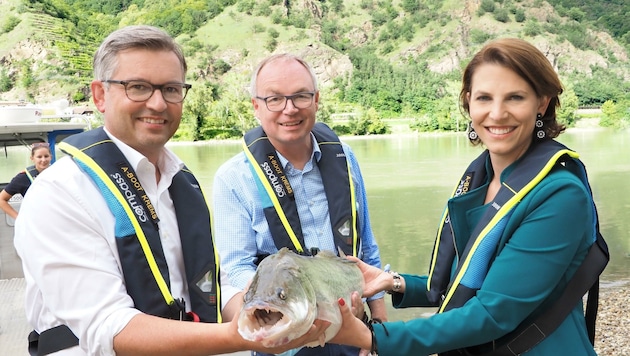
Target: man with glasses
{"type": "Point", "coordinates": [294, 185]}
{"type": "Point", "coordinates": [115, 242]}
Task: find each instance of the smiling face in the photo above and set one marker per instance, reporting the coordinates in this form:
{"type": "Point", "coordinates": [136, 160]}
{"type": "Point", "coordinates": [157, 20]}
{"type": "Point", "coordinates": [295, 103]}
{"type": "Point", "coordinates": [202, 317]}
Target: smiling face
{"type": "Point", "coordinates": [41, 158]}
{"type": "Point", "coordinates": [292, 126]}
{"type": "Point", "coordinates": [503, 109]}
{"type": "Point", "coordinates": [145, 126]}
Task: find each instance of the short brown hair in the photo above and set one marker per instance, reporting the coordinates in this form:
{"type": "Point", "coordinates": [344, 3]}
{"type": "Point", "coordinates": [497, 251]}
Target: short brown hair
{"type": "Point", "coordinates": [133, 37]}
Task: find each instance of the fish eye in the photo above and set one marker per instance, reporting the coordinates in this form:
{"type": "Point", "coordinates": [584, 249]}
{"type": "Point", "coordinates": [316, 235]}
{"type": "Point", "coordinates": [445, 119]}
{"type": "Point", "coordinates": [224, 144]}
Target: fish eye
{"type": "Point", "coordinates": [281, 294]}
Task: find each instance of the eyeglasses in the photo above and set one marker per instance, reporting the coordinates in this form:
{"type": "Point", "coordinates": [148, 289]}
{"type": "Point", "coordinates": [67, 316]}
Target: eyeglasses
{"type": "Point", "coordinates": [140, 91]}
{"type": "Point", "coordinates": [40, 144]}
{"type": "Point", "coordinates": [277, 103]}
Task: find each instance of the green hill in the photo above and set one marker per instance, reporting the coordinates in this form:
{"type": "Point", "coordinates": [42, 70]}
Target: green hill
{"type": "Point", "coordinates": [382, 59]}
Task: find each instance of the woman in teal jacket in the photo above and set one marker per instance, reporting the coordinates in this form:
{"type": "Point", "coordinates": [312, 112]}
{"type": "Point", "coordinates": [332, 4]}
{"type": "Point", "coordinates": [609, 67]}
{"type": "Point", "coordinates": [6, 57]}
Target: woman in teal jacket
{"type": "Point", "coordinates": [519, 224]}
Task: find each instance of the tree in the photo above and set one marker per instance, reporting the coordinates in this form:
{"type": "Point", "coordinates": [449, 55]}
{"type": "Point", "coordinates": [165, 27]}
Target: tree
{"type": "Point", "coordinates": [502, 15]}
{"type": "Point", "coordinates": [368, 123]}
{"type": "Point", "coordinates": [410, 6]}
{"type": "Point", "coordinates": [532, 28]}
{"type": "Point", "coordinates": [486, 6]}
{"type": "Point", "coordinates": [6, 83]}
{"type": "Point", "coordinates": [566, 115]}
{"type": "Point", "coordinates": [615, 115]}
{"type": "Point", "coordinates": [195, 112]}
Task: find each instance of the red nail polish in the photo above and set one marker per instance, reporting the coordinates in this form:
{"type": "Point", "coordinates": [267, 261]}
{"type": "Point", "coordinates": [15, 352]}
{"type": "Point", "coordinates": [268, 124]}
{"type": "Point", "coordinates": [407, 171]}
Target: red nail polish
{"type": "Point", "coordinates": [342, 302]}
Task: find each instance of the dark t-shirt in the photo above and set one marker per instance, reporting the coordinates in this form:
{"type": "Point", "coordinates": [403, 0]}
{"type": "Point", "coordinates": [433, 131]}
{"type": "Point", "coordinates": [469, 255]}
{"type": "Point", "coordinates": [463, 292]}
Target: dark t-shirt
{"type": "Point", "coordinates": [19, 184]}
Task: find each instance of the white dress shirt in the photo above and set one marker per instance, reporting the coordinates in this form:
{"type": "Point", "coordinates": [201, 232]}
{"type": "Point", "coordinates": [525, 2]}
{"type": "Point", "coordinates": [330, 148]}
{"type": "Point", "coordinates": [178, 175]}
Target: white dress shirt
{"type": "Point", "coordinates": [65, 237]}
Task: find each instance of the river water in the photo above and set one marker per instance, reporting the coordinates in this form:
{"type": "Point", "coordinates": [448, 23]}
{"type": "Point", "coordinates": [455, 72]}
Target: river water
{"type": "Point", "coordinates": [409, 178]}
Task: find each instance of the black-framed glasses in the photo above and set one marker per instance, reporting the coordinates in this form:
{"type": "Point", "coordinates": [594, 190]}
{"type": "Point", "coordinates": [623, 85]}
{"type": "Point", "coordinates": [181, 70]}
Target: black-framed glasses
{"type": "Point", "coordinates": [278, 103]}
{"type": "Point", "coordinates": [138, 90]}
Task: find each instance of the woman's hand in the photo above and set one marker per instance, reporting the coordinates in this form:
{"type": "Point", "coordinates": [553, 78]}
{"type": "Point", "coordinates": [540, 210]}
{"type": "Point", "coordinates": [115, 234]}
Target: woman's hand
{"type": "Point", "coordinates": [376, 280]}
{"type": "Point", "coordinates": [358, 309]}
{"type": "Point", "coordinates": [353, 331]}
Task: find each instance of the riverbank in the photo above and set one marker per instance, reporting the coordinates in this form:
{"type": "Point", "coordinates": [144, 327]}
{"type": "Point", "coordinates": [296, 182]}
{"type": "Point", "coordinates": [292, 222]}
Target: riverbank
{"type": "Point", "coordinates": [613, 321]}
{"type": "Point", "coordinates": [399, 129]}
{"type": "Point", "coordinates": [611, 334]}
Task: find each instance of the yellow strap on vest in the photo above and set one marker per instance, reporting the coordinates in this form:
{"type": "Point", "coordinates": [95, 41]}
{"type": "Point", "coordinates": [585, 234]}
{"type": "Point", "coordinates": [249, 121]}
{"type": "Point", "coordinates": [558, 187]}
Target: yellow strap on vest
{"type": "Point", "coordinates": [73, 151]}
{"type": "Point", "coordinates": [28, 174]}
{"type": "Point", "coordinates": [506, 208]}
{"type": "Point", "coordinates": [355, 233]}
{"type": "Point", "coordinates": [272, 195]}
{"type": "Point", "coordinates": [437, 244]}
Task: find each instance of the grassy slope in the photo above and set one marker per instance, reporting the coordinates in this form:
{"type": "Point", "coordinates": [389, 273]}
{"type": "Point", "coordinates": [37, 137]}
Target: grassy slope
{"type": "Point", "coordinates": [233, 34]}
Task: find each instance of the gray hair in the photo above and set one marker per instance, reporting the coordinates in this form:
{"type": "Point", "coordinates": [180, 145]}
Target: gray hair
{"type": "Point", "coordinates": [133, 37]}
{"type": "Point", "coordinates": [273, 58]}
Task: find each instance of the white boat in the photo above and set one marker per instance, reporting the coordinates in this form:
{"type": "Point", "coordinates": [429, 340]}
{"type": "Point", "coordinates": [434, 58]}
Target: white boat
{"type": "Point", "coordinates": [19, 112]}
{"type": "Point", "coordinates": [21, 124]}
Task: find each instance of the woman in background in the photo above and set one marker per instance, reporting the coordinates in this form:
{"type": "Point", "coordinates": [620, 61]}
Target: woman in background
{"type": "Point", "coordinates": [40, 156]}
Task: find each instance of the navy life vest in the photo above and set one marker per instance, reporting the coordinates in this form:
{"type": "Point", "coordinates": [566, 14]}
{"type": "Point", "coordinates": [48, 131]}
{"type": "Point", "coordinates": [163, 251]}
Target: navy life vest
{"type": "Point", "coordinates": [474, 261]}
{"type": "Point", "coordinates": [137, 237]}
{"type": "Point", "coordinates": [277, 197]}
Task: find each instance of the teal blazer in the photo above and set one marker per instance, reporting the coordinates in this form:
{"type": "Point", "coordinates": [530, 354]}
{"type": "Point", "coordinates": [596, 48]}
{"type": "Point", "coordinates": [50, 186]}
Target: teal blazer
{"type": "Point", "coordinates": [545, 241]}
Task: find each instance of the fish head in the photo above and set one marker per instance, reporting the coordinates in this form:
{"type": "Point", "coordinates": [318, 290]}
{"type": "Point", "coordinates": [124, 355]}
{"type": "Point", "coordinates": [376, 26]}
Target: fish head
{"type": "Point", "coordinates": [280, 304]}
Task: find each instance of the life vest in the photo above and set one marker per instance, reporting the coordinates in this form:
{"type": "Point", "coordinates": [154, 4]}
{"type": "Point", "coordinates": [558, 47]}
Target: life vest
{"type": "Point", "coordinates": [276, 192]}
{"type": "Point", "coordinates": [31, 172]}
{"type": "Point", "coordinates": [142, 257]}
{"type": "Point", "coordinates": [474, 261]}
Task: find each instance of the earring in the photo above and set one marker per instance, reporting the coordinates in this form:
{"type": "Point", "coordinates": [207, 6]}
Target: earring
{"type": "Point", "coordinates": [472, 135]}
{"type": "Point", "coordinates": [540, 131]}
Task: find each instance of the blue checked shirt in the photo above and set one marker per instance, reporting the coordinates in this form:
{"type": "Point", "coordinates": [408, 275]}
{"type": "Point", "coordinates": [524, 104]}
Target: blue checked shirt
{"type": "Point", "coordinates": [240, 227]}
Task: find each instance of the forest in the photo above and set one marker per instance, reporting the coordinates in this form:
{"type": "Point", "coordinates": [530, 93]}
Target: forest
{"type": "Point", "coordinates": [386, 82]}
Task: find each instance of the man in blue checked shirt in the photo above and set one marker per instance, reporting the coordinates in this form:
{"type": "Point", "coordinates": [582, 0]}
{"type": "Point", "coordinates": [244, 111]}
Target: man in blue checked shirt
{"type": "Point", "coordinates": [294, 185]}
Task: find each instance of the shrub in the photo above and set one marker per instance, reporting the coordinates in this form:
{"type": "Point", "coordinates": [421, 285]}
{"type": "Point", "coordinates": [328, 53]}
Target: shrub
{"type": "Point", "coordinates": [502, 15]}
{"type": "Point", "coordinates": [487, 6]}
{"type": "Point", "coordinates": [10, 24]}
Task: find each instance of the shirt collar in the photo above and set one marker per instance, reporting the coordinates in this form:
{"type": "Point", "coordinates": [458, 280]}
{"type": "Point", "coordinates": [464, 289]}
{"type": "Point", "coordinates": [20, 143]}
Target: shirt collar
{"type": "Point", "coordinates": [168, 163]}
{"type": "Point", "coordinates": [316, 153]}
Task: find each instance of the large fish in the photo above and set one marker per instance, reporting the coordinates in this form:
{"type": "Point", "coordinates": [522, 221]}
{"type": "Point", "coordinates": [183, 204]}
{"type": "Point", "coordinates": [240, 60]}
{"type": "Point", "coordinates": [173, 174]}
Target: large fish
{"type": "Point", "coordinates": [289, 291]}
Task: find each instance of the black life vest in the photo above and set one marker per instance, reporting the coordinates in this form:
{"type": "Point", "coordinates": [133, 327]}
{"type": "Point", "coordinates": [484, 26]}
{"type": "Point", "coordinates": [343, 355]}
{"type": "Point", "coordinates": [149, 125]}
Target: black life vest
{"type": "Point", "coordinates": [277, 195]}
{"type": "Point", "coordinates": [31, 172]}
{"type": "Point", "coordinates": [474, 261]}
{"type": "Point", "coordinates": [137, 236]}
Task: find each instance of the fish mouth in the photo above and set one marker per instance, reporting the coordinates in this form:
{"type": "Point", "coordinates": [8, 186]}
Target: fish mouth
{"type": "Point", "coordinates": [266, 317]}
{"type": "Point", "coordinates": [265, 324]}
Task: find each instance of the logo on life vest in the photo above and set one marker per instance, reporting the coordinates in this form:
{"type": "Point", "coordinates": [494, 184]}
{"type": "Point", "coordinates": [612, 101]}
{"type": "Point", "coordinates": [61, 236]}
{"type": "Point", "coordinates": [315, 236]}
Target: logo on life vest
{"type": "Point", "coordinates": [131, 188]}
{"type": "Point", "coordinates": [276, 176]}
{"type": "Point", "coordinates": [273, 179]}
{"type": "Point", "coordinates": [464, 184]}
